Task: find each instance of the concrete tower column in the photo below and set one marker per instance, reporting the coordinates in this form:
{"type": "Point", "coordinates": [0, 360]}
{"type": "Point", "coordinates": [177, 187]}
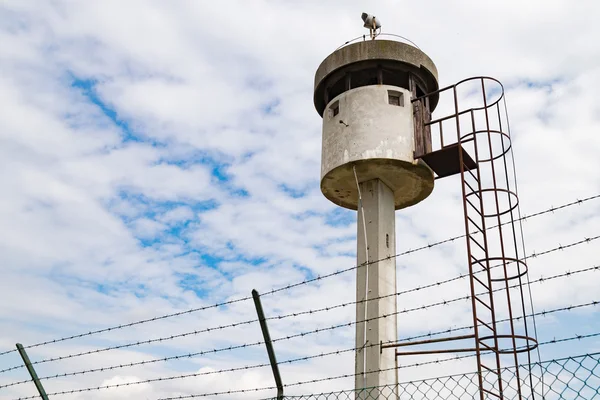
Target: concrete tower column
{"type": "Point", "coordinates": [376, 241]}
{"type": "Point", "coordinates": [364, 92]}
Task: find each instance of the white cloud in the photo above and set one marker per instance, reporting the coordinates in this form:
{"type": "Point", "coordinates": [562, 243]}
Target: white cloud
{"type": "Point", "coordinates": [106, 223]}
{"type": "Point", "coordinates": [175, 215]}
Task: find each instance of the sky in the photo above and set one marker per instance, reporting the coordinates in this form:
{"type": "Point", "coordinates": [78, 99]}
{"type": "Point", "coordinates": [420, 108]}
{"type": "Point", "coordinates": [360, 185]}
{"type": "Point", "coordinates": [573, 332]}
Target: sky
{"type": "Point", "coordinates": [157, 157]}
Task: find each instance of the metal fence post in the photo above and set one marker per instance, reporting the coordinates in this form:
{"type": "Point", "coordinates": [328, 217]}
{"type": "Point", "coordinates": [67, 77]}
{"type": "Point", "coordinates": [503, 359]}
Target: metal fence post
{"type": "Point", "coordinates": [31, 370]}
{"type": "Point", "coordinates": [268, 343]}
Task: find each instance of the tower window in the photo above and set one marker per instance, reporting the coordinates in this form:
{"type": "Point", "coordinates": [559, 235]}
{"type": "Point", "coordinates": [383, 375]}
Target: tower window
{"type": "Point", "coordinates": [396, 98]}
{"type": "Point", "coordinates": [334, 109]}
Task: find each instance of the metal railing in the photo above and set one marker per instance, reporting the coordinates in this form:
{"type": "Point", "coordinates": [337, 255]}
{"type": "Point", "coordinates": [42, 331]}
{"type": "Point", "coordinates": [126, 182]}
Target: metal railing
{"type": "Point", "coordinates": [571, 378]}
{"type": "Point", "coordinates": [380, 36]}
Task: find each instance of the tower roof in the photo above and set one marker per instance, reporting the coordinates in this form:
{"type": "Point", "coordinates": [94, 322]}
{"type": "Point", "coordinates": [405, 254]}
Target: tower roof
{"type": "Point", "coordinates": [364, 54]}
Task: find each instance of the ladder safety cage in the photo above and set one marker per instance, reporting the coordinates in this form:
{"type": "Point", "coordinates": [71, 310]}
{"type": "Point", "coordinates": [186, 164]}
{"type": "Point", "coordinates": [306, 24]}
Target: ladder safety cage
{"type": "Point", "coordinates": [471, 138]}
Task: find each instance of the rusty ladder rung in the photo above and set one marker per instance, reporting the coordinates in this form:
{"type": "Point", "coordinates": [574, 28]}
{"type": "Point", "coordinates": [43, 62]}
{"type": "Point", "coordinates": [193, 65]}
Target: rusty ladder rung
{"type": "Point", "coordinates": [474, 223]}
{"type": "Point", "coordinates": [478, 261]}
{"type": "Point", "coordinates": [465, 167]}
{"type": "Point", "coordinates": [490, 392]}
{"type": "Point", "coordinates": [494, 371]}
{"type": "Point", "coordinates": [487, 326]}
{"type": "Point", "coordinates": [475, 192]}
{"type": "Point", "coordinates": [474, 208]}
{"type": "Point", "coordinates": [482, 284]}
{"type": "Point", "coordinates": [477, 243]}
{"type": "Point", "coordinates": [487, 347]}
{"type": "Point", "coordinates": [474, 177]}
{"type": "Point", "coordinates": [481, 301]}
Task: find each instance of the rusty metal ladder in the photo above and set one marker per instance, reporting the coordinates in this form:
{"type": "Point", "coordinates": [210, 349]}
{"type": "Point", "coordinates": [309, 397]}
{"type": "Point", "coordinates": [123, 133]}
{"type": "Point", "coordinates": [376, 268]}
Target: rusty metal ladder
{"type": "Point", "coordinates": [480, 274]}
{"type": "Point", "coordinates": [485, 214]}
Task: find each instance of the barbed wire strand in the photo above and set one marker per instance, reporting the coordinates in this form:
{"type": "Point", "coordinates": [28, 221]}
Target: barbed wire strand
{"type": "Point", "coordinates": [183, 376]}
{"type": "Point", "coordinates": [462, 328]}
{"type": "Point", "coordinates": [330, 378]}
{"type": "Point", "coordinates": [189, 355]}
{"type": "Point", "coordinates": [287, 287]}
{"type": "Point", "coordinates": [306, 358]}
{"type": "Point", "coordinates": [524, 247]}
{"type": "Point", "coordinates": [301, 334]}
{"type": "Point", "coordinates": [555, 360]}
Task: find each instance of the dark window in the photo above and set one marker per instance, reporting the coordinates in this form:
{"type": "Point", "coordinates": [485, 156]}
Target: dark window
{"type": "Point", "coordinates": [395, 78]}
{"type": "Point", "coordinates": [338, 88]}
{"type": "Point", "coordinates": [396, 98]}
{"type": "Point", "coordinates": [365, 77]}
{"type": "Point", "coordinates": [334, 109]}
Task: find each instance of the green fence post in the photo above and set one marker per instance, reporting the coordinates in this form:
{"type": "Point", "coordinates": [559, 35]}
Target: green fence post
{"type": "Point", "coordinates": [268, 343]}
{"type": "Point", "coordinates": [31, 370]}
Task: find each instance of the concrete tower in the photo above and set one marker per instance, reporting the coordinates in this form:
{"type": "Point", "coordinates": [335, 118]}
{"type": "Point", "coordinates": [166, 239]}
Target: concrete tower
{"type": "Point", "coordinates": [363, 91]}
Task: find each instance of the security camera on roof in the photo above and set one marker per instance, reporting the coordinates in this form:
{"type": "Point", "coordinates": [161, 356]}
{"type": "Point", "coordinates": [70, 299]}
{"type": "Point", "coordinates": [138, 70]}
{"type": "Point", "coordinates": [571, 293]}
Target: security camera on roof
{"type": "Point", "coordinates": [371, 22]}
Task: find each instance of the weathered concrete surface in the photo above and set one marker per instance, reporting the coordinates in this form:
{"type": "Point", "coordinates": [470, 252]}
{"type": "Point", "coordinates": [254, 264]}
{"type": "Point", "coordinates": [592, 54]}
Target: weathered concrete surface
{"type": "Point", "coordinates": [369, 135]}
{"type": "Point", "coordinates": [378, 139]}
{"type": "Point", "coordinates": [378, 206]}
{"type": "Point", "coordinates": [412, 58]}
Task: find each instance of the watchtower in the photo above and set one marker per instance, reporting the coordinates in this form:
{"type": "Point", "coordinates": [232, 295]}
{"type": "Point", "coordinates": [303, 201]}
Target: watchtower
{"type": "Point", "coordinates": [363, 91]}
{"type": "Point", "coordinates": [376, 98]}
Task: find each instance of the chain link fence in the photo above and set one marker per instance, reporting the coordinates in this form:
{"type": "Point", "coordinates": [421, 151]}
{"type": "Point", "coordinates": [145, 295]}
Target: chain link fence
{"type": "Point", "coordinates": [570, 378]}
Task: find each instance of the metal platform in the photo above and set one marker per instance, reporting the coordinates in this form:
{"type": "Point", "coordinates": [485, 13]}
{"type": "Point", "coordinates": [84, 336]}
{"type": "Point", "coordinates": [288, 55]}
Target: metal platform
{"type": "Point", "coordinates": [446, 161]}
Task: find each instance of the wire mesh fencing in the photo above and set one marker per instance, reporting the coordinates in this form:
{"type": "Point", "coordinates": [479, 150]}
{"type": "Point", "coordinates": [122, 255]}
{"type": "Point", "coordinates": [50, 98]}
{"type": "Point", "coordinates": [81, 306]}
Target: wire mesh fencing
{"type": "Point", "coordinates": [570, 378]}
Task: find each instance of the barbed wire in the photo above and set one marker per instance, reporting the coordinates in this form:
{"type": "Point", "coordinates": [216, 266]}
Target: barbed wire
{"type": "Point", "coordinates": [133, 344]}
{"type": "Point", "coordinates": [544, 313]}
{"type": "Point", "coordinates": [430, 285]}
{"type": "Point", "coordinates": [536, 314]}
{"type": "Point", "coordinates": [287, 287]}
{"type": "Point", "coordinates": [195, 374]}
{"type": "Point", "coordinates": [143, 321]}
{"type": "Point", "coordinates": [301, 334]}
{"type": "Point", "coordinates": [189, 355]}
{"type": "Point", "coordinates": [337, 352]}
{"type": "Point", "coordinates": [460, 357]}
{"type": "Point", "coordinates": [558, 361]}
{"type": "Point", "coordinates": [555, 360]}
{"type": "Point", "coordinates": [90, 389]}
{"type": "Point", "coordinates": [345, 376]}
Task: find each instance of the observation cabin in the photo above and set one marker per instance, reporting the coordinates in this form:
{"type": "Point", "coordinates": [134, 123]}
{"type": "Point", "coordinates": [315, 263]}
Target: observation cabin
{"type": "Point", "coordinates": [363, 92]}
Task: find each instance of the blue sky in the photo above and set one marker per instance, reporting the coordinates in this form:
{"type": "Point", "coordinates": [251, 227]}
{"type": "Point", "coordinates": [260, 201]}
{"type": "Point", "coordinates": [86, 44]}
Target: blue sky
{"type": "Point", "coordinates": [153, 162]}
